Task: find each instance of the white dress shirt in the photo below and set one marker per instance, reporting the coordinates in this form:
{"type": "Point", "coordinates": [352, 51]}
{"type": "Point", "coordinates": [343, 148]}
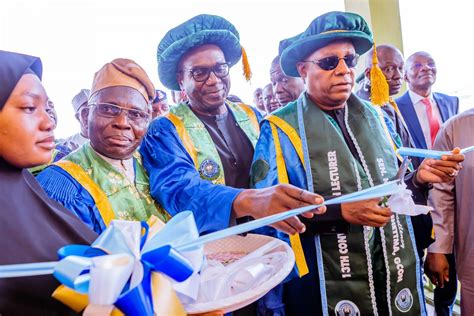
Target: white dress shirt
{"type": "Point", "coordinates": [420, 109]}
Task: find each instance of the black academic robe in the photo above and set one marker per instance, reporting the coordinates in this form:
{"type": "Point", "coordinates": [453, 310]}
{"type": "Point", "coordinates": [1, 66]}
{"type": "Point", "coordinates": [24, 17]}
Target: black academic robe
{"type": "Point", "coordinates": [32, 229]}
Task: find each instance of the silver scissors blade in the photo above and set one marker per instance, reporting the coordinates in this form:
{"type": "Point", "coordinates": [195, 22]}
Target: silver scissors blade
{"type": "Point", "coordinates": [403, 169]}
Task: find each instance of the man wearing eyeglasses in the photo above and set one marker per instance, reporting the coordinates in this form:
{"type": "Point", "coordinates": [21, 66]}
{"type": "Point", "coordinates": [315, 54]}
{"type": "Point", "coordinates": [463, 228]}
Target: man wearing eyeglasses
{"type": "Point", "coordinates": [331, 142]}
{"type": "Point", "coordinates": [199, 156]}
{"type": "Point", "coordinates": [424, 112]}
{"type": "Point", "coordinates": [104, 179]}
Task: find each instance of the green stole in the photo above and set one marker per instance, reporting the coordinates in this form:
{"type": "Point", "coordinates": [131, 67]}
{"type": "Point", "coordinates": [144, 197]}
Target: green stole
{"type": "Point", "coordinates": [367, 271]}
{"type": "Point", "coordinates": [128, 201]}
{"type": "Point", "coordinates": [198, 142]}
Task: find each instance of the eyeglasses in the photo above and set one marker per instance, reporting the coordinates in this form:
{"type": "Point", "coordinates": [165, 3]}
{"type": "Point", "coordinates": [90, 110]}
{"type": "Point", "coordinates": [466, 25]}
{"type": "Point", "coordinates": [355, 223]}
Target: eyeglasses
{"type": "Point", "coordinates": [418, 66]}
{"type": "Point", "coordinates": [331, 62]}
{"type": "Point", "coordinates": [201, 74]}
{"type": "Point", "coordinates": [112, 110]}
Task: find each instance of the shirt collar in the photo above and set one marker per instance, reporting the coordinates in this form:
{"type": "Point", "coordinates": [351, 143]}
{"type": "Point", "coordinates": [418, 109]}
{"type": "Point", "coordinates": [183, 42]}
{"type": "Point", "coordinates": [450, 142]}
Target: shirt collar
{"type": "Point", "coordinates": [125, 166]}
{"type": "Point", "coordinates": [415, 97]}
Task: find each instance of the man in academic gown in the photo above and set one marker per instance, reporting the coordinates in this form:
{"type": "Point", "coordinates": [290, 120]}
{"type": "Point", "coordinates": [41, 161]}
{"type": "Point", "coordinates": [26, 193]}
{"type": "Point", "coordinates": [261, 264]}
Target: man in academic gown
{"type": "Point", "coordinates": [332, 143]}
{"type": "Point", "coordinates": [104, 179]}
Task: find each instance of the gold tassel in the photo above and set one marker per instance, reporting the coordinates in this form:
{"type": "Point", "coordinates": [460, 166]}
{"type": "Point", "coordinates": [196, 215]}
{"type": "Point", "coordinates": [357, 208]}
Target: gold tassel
{"type": "Point", "coordinates": [379, 90]}
{"type": "Point", "coordinates": [246, 65]}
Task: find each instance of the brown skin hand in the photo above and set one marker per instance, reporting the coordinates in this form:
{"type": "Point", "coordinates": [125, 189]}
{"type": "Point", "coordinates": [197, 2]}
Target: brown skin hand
{"type": "Point", "coordinates": [437, 268]}
{"type": "Point", "coordinates": [440, 171]}
{"type": "Point", "coordinates": [260, 203]}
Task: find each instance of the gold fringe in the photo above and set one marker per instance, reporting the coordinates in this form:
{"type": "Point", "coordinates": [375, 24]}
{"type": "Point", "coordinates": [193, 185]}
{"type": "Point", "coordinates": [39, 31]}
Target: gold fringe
{"type": "Point", "coordinates": [379, 90]}
{"type": "Point", "coordinates": [246, 65]}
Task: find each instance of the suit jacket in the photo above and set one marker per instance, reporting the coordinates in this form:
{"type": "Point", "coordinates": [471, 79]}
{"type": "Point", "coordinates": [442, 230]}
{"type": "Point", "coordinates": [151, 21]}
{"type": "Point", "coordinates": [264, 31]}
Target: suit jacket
{"type": "Point", "coordinates": [448, 106]}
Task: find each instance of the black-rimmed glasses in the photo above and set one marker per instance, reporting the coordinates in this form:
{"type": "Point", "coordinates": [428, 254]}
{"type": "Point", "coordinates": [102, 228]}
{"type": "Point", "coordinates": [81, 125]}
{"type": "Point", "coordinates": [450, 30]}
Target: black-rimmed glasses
{"type": "Point", "coordinates": [112, 110]}
{"type": "Point", "coordinates": [331, 62]}
{"type": "Point", "coordinates": [201, 74]}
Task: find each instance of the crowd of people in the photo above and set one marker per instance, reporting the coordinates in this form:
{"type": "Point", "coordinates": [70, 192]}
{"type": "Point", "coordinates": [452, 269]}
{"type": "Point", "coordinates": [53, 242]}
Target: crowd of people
{"type": "Point", "coordinates": [310, 135]}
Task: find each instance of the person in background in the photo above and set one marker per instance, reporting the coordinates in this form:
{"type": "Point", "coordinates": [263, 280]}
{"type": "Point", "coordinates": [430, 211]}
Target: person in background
{"type": "Point", "coordinates": [391, 62]}
{"type": "Point", "coordinates": [270, 102]}
{"type": "Point", "coordinates": [104, 179]}
{"type": "Point", "coordinates": [33, 227]}
{"type": "Point", "coordinates": [178, 97]}
{"type": "Point", "coordinates": [79, 102]}
{"type": "Point", "coordinates": [258, 101]}
{"type": "Point", "coordinates": [285, 88]}
{"type": "Point", "coordinates": [424, 111]}
{"type": "Point", "coordinates": [160, 106]}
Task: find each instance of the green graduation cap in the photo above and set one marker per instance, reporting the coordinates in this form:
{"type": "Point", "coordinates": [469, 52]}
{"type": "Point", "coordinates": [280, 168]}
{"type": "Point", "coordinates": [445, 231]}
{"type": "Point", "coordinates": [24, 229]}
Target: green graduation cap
{"type": "Point", "coordinates": [286, 43]}
{"type": "Point", "coordinates": [199, 30]}
{"type": "Point", "coordinates": [323, 30]}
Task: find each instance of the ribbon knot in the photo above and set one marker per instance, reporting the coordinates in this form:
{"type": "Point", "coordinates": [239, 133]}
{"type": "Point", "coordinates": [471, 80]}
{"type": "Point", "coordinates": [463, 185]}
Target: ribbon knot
{"type": "Point", "coordinates": [117, 268]}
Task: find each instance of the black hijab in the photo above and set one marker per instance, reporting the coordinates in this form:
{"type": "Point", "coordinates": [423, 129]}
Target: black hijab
{"type": "Point", "coordinates": [12, 67]}
{"type": "Point", "coordinates": [33, 227]}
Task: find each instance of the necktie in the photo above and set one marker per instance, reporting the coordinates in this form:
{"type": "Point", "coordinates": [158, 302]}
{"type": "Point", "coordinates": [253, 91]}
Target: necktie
{"type": "Point", "coordinates": [434, 123]}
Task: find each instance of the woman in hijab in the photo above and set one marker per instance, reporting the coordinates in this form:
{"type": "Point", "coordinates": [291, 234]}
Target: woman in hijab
{"type": "Point", "coordinates": [32, 226]}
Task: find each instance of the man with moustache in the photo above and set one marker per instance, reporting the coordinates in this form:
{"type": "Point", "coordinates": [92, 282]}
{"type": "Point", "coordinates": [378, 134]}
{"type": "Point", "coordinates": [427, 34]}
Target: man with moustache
{"type": "Point", "coordinates": [331, 142]}
{"type": "Point", "coordinates": [104, 179]}
{"type": "Point", "coordinates": [424, 112]}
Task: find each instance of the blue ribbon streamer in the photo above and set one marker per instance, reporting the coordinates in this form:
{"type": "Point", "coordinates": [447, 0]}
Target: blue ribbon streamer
{"type": "Point", "coordinates": [179, 234]}
{"type": "Point", "coordinates": [428, 153]}
{"type": "Point", "coordinates": [381, 190]}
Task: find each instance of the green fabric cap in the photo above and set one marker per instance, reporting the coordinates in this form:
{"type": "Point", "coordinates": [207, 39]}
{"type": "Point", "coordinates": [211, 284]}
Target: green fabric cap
{"type": "Point", "coordinates": [200, 30]}
{"type": "Point", "coordinates": [286, 43]}
{"type": "Point", "coordinates": [323, 30]}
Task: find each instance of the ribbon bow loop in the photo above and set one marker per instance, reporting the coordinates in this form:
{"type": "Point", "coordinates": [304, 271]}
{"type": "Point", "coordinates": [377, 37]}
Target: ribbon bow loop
{"type": "Point", "coordinates": [117, 268]}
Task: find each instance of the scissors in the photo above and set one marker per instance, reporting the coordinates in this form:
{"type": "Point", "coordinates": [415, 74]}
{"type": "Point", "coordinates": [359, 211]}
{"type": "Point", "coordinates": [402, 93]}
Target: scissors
{"type": "Point", "coordinates": [403, 169]}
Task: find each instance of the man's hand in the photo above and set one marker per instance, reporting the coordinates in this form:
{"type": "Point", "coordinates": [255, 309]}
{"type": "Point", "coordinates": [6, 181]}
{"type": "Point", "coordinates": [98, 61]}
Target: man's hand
{"type": "Point", "coordinates": [437, 268]}
{"type": "Point", "coordinates": [260, 203]}
{"type": "Point", "coordinates": [439, 171]}
{"type": "Point", "coordinates": [367, 212]}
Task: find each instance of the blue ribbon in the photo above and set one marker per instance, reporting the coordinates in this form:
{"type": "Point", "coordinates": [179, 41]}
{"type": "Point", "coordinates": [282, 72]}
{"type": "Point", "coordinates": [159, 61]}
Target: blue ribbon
{"type": "Point", "coordinates": [76, 260]}
{"type": "Point", "coordinates": [428, 153]}
{"type": "Point", "coordinates": [381, 190]}
{"type": "Point", "coordinates": [180, 234]}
